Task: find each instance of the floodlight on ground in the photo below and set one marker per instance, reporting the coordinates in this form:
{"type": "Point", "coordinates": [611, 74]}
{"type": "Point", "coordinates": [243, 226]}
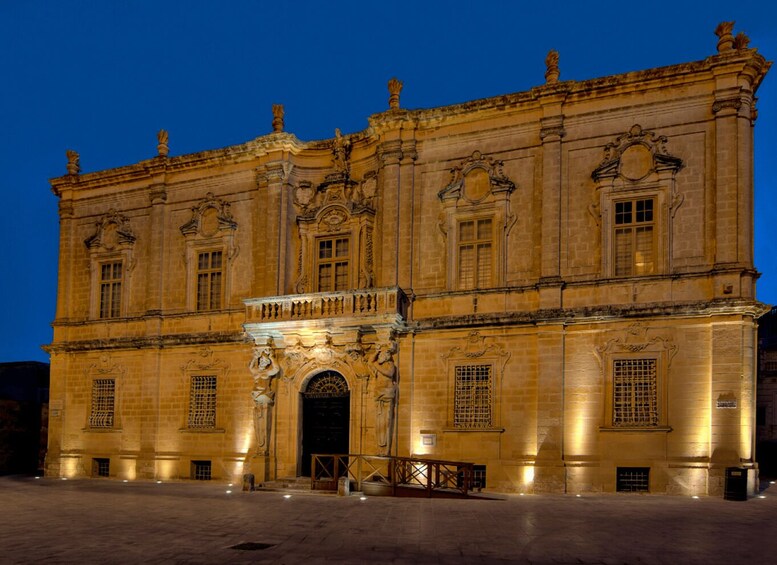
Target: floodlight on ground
{"type": "Point", "coordinates": [761, 496]}
{"type": "Point", "coordinates": [229, 492]}
{"type": "Point", "coordinates": [695, 496]}
{"type": "Point", "coordinates": [286, 496]}
{"type": "Point", "coordinates": [362, 498]}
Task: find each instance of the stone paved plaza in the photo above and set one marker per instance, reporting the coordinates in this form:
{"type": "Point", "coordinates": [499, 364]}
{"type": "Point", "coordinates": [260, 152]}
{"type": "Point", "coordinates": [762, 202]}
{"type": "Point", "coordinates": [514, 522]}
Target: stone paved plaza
{"type": "Point", "coordinates": [107, 521]}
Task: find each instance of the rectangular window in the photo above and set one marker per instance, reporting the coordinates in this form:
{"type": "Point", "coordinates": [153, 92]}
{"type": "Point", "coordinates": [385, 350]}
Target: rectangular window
{"type": "Point", "coordinates": [633, 241]}
{"type": "Point", "coordinates": [634, 393]}
{"type": "Point", "coordinates": [472, 397]}
{"type": "Point", "coordinates": [332, 264]}
{"type": "Point", "coordinates": [101, 467]}
{"type": "Point", "coordinates": [103, 399]}
{"type": "Point", "coordinates": [110, 289]}
{"type": "Point", "coordinates": [475, 263]}
{"type": "Point", "coordinates": [209, 277]}
{"type": "Point", "coordinates": [202, 402]}
{"type": "Point", "coordinates": [633, 479]}
{"type": "Point", "coordinates": [201, 470]}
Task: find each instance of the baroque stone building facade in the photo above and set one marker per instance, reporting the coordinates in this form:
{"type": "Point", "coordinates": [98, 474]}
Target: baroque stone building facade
{"type": "Point", "coordinates": [557, 285]}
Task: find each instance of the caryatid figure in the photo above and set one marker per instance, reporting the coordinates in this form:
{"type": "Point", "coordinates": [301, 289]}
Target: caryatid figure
{"type": "Point", "coordinates": [264, 368]}
{"type": "Point", "coordinates": [385, 372]}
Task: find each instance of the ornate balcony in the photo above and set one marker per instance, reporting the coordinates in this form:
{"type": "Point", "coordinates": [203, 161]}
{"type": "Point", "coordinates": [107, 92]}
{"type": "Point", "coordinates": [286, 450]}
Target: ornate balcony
{"type": "Point", "coordinates": [370, 306]}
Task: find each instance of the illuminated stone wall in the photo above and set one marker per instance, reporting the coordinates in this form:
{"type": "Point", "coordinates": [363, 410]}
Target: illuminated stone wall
{"type": "Point", "coordinates": [555, 284]}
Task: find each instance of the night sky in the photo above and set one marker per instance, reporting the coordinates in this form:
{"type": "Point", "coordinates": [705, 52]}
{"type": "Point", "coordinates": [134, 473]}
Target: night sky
{"type": "Point", "coordinates": [102, 77]}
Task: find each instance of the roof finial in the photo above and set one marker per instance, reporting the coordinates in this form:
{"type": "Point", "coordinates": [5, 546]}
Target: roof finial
{"type": "Point", "coordinates": [162, 148]}
{"type": "Point", "coordinates": [277, 117]}
{"type": "Point", "coordinates": [73, 162]}
{"type": "Point", "coordinates": [551, 62]}
{"type": "Point", "coordinates": [395, 87]}
{"type": "Point", "coordinates": [726, 41]}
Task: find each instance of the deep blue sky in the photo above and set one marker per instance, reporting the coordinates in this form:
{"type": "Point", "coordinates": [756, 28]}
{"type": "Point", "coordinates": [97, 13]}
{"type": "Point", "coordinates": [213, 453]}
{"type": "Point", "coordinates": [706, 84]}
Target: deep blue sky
{"type": "Point", "coordinates": [102, 77]}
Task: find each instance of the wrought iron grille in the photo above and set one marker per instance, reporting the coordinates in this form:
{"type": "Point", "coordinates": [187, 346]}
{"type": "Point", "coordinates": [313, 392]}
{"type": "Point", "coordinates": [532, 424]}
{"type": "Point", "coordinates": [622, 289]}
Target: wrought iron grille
{"type": "Point", "coordinates": [328, 384]}
{"type": "Point", "coordinates": [101, 467]}
{"type": "Point", "coordinates": [635, 399]}
{"type": "Point", "coordinates": [103, 400]}
{"type": "Point", "coordinates": [201, 470]}
{"type": "Point", "coordinates": [202, 402]}
{"type": "Point", "coordinates": [472, 397]}
{"type": "Point", "coordinates": [633, 479]}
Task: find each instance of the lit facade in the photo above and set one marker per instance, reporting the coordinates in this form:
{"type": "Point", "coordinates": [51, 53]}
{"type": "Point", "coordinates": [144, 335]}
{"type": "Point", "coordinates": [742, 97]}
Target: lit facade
{"type": "Point", "coordinates": [556, 284]}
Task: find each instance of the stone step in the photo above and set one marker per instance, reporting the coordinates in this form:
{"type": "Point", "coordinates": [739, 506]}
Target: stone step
{"type": "Point", "coordinates": [287, 483]}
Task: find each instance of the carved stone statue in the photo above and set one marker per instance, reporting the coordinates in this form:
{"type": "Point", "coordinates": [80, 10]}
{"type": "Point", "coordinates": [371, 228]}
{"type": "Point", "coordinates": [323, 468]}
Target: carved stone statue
{"type": "Point", "coordinates": [341, 152]}
{"type": "Point", "coordinates": [277, 117]}
{"type": "Point", "coordinates": [551, 62]}
{"type": "Point", "coordinates": [264, 368]}
{"type": "Point", "coordinates": [726, 40]}
{"type": "Point", "coordinates": [162, 148]}
{"type": "Point", "coordinates": [385, 373]}
{"type": "Point", "coordinates": [395, 87]}
{"type": "Point", "coordinates": [73, 162]}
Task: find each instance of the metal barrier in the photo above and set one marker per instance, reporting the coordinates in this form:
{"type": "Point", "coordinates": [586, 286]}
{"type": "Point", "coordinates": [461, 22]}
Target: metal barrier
{"type": "Point", "coordinates": [395, 476]}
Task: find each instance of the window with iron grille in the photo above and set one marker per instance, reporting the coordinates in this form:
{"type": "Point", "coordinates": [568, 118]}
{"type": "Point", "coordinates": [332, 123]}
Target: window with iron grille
{"type": "Point", "coordinates": [103, 402]}
{"type": "Point", "coordinates": [101, 467]}
{"type": "Point", "coordinates": [201, 470]}
{"type": "Point", "coordinates": [472, 396]}
{"type": "Point", "coordinates": [633, 479]}
{"type": "Point", "coordinates": [209, 278]}
{"type": "Point", "coordinates": [633, 241]}
{"type": "Point", "coordinates": [475, 244]}
{"type": "Point", "coordinates": [634, 393]}
{"type": "Point", "coordinates": [202, 402]}
{"type": "Point", "coordinates": [110, 289]}
{"type": "Point", "coordinates": [332, 264]}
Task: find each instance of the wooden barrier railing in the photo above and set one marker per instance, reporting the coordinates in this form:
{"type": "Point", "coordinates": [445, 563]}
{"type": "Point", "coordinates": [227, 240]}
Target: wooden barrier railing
{"type": "Point", "coordinates": [397, 476]}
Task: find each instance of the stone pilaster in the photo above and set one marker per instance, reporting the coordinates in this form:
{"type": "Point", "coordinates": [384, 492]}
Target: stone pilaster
{"type": "Point", "coordinates": [155, 274]}
{"type": "Point", "coordinates": [549, 465]}
{"type": "Point", "coordinates": [390, 155]}
{"type": "Point", "coordinates": [551, 136]}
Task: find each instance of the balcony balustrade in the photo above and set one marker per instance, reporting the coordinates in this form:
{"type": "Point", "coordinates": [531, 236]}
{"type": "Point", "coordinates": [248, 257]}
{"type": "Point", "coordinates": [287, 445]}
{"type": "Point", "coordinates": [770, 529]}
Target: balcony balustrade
{"type": "Point", "coordinates": [368, 303]}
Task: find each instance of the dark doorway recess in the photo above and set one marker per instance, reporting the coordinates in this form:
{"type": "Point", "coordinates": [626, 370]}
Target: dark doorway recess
{"type": "Point", "coordinates": [326, 410]}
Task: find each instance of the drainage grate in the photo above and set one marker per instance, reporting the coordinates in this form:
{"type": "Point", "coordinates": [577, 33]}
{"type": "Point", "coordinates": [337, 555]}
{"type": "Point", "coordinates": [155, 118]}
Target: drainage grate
{"type": "Point", "coordinates": [252, 546]}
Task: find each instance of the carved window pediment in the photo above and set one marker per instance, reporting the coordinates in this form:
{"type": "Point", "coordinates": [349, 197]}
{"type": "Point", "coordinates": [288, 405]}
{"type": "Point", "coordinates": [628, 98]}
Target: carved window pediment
{"type": "Point", "coordinates": [635, 155]}
{"type": "Point", "coordinates": [210, 218]}
{"type": "Point", "coordinates": [113, 231]}
{"type": "Point", "coordinates": [475, 179]}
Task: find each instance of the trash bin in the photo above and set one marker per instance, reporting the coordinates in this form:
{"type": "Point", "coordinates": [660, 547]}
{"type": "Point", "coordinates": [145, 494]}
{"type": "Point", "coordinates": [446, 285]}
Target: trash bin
{"type": "Point", "coordinates": [735, 487]}
{"type": "Point", "coordinates": [248, 481]}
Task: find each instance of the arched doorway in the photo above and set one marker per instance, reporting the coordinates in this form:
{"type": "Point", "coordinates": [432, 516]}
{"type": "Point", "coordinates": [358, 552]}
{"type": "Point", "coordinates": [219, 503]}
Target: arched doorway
{"type": "Point", "coordinates": [326, 411]}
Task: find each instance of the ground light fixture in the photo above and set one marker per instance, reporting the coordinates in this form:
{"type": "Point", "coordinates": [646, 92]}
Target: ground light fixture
{"type": "Point", "coordinates": [286, 496]}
